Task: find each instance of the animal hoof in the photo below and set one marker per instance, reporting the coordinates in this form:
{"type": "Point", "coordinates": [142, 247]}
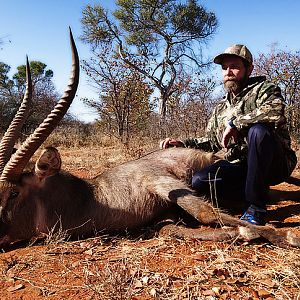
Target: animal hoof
{"type": "Point", "coordinates": [293, 238]}
{"type": "Point", "coordinates": [248, 234]}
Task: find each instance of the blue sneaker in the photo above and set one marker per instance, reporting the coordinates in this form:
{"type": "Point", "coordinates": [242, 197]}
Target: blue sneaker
{"type": "Point", "coordinates": [255, 215]}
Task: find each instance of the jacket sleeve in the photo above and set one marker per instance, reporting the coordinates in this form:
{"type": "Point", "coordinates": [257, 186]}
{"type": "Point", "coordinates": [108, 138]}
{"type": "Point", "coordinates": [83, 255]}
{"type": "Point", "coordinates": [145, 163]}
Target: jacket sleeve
{"type": "Point", "coordinates": [198, 143]}
{"type": "Point", "coordinates": [269, 108]}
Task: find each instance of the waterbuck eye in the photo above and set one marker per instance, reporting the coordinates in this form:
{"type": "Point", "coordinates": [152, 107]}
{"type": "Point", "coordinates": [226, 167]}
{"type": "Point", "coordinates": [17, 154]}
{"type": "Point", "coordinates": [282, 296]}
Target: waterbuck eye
{"type": "Point", "coordinates": [13, 194]}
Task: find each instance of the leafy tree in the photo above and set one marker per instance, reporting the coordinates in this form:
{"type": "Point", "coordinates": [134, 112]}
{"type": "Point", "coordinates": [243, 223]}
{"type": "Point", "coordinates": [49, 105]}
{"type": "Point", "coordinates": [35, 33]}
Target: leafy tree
{"type": "Point", "coordinates": [283, 68]}
{"type": "Point", "coordinates": [123, 103]}
{"type": "Point", "coordinates": [12, 91]}
{"type": "Point", "coordinates": [5, 83]}
{"type": "Point", "coordinates": [41, 77]}
{"type": "Point", "coordinates": [44, 93]}
{"type": "Point", "coordinates": [8, 101]}
{"type": "Point", "coordinates": [165, 34]}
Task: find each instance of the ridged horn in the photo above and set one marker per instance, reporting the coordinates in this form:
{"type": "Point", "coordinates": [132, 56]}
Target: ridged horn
{"type": "Point", "coordinates": [18, 161]}
{"type": "Point", "coordinates": [13, 132]}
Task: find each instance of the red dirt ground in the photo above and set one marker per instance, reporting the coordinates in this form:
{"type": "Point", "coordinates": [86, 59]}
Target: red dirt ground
{"type": "Point", "coordinates": [159, 267]}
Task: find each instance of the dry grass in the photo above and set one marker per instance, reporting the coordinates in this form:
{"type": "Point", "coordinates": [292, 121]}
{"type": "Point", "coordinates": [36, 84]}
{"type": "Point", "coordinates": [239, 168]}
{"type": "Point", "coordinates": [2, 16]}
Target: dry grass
{"type": "Point", "coordinates": [157, 268]}
{"type": "Point", "coordinates": [89, 161]}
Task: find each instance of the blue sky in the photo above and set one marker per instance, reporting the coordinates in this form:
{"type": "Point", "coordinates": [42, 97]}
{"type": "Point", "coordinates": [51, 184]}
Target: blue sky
{"type": "Point", "coordinates": [39, 29]}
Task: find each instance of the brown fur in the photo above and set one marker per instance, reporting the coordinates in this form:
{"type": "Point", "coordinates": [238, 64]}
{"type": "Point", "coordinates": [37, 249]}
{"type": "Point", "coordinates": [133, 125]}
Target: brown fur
{"type": "Point", "coordinates": [125, 197]}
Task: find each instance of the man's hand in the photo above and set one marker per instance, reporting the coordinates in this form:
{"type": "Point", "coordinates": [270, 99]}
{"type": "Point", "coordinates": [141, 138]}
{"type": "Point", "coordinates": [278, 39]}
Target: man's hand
{"type": "Point", "coordinates": [169, 142]}
{"type": "Point", "coordinates": [230, 132]}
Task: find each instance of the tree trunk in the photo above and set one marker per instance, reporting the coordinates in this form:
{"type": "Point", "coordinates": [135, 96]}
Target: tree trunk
{"type": "Point", "coordinates": [162, 110]}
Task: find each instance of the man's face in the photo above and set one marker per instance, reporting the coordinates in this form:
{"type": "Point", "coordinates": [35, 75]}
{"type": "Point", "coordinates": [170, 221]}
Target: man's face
{"type": "Point", "coordinates": [235, 74]}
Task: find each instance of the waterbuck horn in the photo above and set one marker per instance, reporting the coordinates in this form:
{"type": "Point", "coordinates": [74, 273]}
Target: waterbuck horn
{"type": "Point", "coordinates": [13, 132]}
{"type": "Point", "coordinates": [18, 161]}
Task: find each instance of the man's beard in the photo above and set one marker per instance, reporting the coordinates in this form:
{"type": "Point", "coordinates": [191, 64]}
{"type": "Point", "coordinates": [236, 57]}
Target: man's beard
{"type": "Point", "coordinates": [232, 85]}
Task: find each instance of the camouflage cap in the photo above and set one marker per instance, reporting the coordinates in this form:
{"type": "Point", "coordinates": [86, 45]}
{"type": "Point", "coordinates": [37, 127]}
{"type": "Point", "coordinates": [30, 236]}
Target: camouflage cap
{"type": "Point", "coordinates": [237, 50]}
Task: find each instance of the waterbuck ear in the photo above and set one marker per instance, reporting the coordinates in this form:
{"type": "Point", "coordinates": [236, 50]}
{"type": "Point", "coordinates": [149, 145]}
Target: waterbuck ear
{"type": "Point", "coordinates": [48, 164]}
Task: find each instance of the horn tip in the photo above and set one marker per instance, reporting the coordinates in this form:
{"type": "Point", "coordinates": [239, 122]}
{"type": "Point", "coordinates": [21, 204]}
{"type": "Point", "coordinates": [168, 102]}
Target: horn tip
{"type": "Point", "coordinates": [70, 31]}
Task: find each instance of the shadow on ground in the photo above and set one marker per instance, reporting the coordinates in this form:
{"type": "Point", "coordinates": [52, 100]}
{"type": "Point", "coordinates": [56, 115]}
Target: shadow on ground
{"type": "Point", "coordinates": [284, 206]}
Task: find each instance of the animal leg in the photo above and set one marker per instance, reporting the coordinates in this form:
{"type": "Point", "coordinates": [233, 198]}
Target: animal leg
{"type": "Point", "coordinates": [174, 190]}
{"type": "Point", "coordinates": [224, 234]}
{"type": "Point", "coordinates": [205, 213]}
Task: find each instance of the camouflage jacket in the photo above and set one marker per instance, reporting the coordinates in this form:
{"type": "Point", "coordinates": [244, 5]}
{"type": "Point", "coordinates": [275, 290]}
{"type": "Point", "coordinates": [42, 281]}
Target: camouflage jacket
{"type": "Point", "coordinates": [259, 102]}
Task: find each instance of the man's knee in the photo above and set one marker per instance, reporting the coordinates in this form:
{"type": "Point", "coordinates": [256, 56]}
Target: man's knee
{"type": "Point", "coordinates": [212, 175]}
{"type": "Point", "coordinates": [199, 180]}
{"type": "Point", "coordinates": [259, 133]}
{"type": "Point", "coordinates": [259, 130]}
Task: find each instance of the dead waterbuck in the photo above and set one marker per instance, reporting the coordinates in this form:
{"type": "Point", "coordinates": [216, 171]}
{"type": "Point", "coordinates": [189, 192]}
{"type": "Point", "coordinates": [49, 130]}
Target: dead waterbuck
{"type": "Point", "coordinates": [125, 197]}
